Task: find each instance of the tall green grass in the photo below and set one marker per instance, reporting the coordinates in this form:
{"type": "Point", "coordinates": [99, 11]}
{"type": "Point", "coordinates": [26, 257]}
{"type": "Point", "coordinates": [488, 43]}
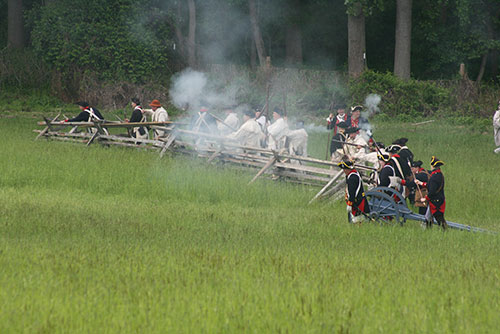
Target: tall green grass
{"type": "Point", "coordinates": [115, 240]}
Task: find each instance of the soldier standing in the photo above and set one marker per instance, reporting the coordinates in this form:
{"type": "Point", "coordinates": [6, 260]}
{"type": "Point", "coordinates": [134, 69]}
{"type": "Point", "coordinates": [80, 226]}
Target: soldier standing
{"type": "Point", "coordinates": [496, 128]}
{"type": "Point", "coordinates": [435, 197]}
{"type": "Point", "coordinates": [138, 116]}
{"type": "Point", "coordinates": [333, 121]}
{"type": "Point", "coordinates": [357, 205]}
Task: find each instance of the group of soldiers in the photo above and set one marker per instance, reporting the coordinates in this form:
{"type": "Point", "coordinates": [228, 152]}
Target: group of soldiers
{"type": "Point", "coordinates": [351, 141]}
{"type": "Point", "coordinates": [255, 130]}
{"type": "Point", "coordinates": [396, 169]}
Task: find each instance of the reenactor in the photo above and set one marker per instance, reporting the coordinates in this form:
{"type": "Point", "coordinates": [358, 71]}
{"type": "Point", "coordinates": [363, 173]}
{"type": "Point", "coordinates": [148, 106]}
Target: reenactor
{"type": "Point", "coordinates": [87, 114]}
{"type": "Point", "coordinates": [297, 140]}
{"type": "Point", "coordinates": [435, 197]}
{"type": "Point", "coordinates": [416, 192]}
{"type": "Point", "coordinates": [277, 131]}
{"type": "Point", "coordinates": [230, 122]}
{"type": "Point", "coordinates": [337, 149]}
{"type": "Point", "coordinates": [357, 149]}
{"type": "Point", "coordinates": [496, 128]}
{"type": "Point", "coordinates": [404, 151]}
{"type": "Point", "coordinates": [386, 171]}
{"type": "Point", "coordinates": [356, 120]}
{"type": "Point", "coordinates": [250, 133]}
{"type": "Point", "coordinates": [138, 116]}
{"type": "Point", "coordinates": [357, 205]}
{"type": "Point", "coordinates": [333, 121]}
{"type": "Point", "coordinates": [158, 114]}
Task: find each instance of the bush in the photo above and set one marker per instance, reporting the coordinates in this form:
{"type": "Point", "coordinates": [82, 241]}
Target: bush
{"type": "Point", "coordinates": [412, 98]}
{"type": "Point", "coordinates": [84, 36]}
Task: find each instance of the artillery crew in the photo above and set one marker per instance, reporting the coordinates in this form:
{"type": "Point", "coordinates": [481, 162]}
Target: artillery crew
{"type": "Point", "coordinates": [138, 116]}
{"type": "Point", "coordinates": [404, 151]}
{"type": "Point", "coordinates": [386, 172]}
{"type": "Point", "coordinates": [357, 205]}
{"type": "Point", "coordinates": [416, 192]}
{"type": "Point", "coordinates": [435, 197]}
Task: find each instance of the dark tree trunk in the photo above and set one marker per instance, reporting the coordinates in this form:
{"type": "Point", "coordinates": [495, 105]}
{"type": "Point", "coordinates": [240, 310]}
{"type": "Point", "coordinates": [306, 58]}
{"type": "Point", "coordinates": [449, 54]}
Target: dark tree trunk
{"type": "Point", "coordinates": [484, 59]}
{"type": "Point", "coordinates": [402, 53]}
{"type": "Point", "coordinates": [357, 43]}
{"type": "Point", "coordinates": [293, 44]}
{"type": "Point", "coordinates": [253, 53]}
{"type": "Point", "coordinates": [191, 40]}
{"type": "Point", "coordinates": [257, 36]}
{"type": "Point", "coordinates": [15, 24]}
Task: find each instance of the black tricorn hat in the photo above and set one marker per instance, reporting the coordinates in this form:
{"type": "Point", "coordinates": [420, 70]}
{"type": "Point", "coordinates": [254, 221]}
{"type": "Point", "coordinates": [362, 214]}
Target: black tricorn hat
{"type": "Point", "coordinates": [435, 162]}
{"type": "Point", "coordinates": [417, 163]}
{"type": "Point", "coordinates": [84, 104]}
{"type": "Point", "coordinates": [346, 163]}
{"type": "Point", "coordinates": [352, 130]}
{"type": "Point", "coordinates": [135, 100]}
{"type": "Point", "coordinates": [380, 144]}
{"type": "Point", "coordinates": [394, 148]}
{"type": "Point", "coordinates": [383, 157]}
{"type": "Point", "coordinates": [355, 108]}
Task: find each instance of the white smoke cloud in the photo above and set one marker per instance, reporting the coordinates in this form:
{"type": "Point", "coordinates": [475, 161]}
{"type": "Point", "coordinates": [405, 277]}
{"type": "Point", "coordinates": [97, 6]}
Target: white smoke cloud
{"type": "Point", "coordinates": [371, 103]}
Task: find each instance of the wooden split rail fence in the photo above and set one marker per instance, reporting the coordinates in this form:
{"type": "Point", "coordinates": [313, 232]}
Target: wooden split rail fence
{"type": "Point", "coordinates": [277, 165]}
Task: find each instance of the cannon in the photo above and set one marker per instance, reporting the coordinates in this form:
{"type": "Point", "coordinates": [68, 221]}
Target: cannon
{"type": "Point", "coordinates": [389, 206]}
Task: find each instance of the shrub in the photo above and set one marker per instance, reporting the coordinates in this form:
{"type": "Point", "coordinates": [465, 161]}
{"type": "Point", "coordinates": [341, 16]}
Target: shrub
{"type": "Point", "coordinates": [412, 98]}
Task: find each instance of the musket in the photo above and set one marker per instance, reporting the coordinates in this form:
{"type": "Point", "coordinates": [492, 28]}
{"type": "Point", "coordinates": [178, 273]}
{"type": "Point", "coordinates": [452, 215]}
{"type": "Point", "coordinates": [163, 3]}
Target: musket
{"type": "Point", "coordinates": [346, 143]}
{"type": "Point", "coordinates": [220, 120]}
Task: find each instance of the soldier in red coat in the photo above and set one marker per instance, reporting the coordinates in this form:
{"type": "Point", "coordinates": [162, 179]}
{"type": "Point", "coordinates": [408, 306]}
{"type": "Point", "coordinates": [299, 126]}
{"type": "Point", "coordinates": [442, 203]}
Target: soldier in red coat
{"type": "Point", "coordinates": [357, 205]}
{"type": "Point", "coordinates": [435, 197]}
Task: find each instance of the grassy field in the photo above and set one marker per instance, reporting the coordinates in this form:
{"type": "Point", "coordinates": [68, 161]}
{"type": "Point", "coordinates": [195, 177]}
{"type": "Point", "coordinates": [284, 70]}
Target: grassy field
{"type": "Point", "coordinates": [115, 240]}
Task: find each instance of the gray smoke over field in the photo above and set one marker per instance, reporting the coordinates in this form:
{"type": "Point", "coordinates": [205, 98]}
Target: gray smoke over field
{"type": "Point", "coordinates": [190, 89]}
{"type": "Point", "coordinates": [371, 103]}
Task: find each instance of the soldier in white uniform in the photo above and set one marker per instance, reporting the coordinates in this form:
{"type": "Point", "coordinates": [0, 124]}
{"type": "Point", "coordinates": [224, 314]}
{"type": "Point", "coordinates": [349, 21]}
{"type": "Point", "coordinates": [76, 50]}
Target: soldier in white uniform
{"type": "Point", "coordinates": [496, 128]}
{"type": "Point", "coordinates": [231, 122]}
{"type": "Point", "coordinates": [277, 131]}
{"type": "Point", "coordinates": [297, 140]}
{"type": "Point", "coordinates": [249, 134]}
{"type": "Point", "coordinates": [158, 114]}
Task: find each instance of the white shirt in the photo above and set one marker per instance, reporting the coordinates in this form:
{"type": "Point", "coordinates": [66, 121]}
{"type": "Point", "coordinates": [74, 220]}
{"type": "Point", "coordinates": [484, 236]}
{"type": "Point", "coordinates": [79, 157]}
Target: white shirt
{"type": "Point", "coordinates": [277, 131]}
{"type": "Point", "coordinates": [231, 120]}
{"type": "Point", "coordinates": [496, 127]}
{"type": "Point", "coordinates": [249, 134]}
{"type": "Point", "coordinates": [298, 142]}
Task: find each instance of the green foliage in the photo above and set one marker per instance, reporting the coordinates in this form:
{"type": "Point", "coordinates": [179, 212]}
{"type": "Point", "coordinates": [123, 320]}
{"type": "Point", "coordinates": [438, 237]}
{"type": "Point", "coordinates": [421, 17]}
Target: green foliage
{"type": "Point", "coordinates": [413, 98]}
{"type": "Point", "coordinates": [109, 40]}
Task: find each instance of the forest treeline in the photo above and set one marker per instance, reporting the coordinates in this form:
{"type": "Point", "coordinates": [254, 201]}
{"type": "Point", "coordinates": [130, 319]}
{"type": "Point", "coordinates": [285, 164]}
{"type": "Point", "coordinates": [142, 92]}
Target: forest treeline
{"type": "Point", "coordinates": [70, 44]}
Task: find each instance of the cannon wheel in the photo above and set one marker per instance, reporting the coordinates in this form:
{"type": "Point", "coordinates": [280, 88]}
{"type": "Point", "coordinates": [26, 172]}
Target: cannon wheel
{"type": "Point", "coordinates": [383, 208]}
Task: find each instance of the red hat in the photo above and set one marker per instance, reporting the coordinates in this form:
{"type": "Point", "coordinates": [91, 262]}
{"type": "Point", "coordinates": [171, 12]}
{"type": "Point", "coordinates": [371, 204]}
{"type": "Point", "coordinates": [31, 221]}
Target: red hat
{"type": "Point", "coordinates": [155, 103]}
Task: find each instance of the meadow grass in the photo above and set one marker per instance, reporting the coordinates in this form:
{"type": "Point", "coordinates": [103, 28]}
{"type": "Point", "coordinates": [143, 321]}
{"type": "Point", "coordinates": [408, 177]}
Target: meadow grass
{"type": "Point", "coordinates": [116, 240]}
